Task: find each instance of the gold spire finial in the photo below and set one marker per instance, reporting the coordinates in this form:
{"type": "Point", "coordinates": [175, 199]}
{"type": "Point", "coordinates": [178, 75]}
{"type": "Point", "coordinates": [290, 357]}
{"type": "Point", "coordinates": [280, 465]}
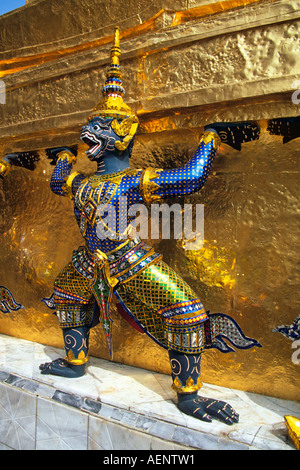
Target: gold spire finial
{"type": "Point", "coordinates": [116, 51]}
{"type": "Point", "coordinates": [113, 83]}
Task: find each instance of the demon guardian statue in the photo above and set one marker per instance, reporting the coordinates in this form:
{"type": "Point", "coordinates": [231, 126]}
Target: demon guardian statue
{"type": "Point", "coordinates": [114, 264]}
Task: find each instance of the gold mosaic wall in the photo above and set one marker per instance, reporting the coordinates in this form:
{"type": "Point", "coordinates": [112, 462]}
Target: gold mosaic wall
{"type": "Point", "coordinates": [185, 64]}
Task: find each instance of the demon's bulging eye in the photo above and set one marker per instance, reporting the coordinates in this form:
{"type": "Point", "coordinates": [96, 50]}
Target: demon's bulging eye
{"type": "Point", "coordinates": [96, 127]}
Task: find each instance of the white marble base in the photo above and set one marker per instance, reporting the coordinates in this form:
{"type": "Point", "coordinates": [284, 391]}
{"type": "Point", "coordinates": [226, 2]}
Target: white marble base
{"type": "Point", "coordinates": [117, 407]}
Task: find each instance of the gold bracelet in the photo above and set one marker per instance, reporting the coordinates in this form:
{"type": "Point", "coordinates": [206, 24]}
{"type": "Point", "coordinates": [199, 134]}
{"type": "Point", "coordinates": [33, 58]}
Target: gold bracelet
{"type": "Point", "coordinates": [209, 136]}
{"type": "Point", "coordinates": [65, 155]}
{"type": "Point", "coordinates": [5, 167]}
{"type": "Point", "coordinates": [67, 187]}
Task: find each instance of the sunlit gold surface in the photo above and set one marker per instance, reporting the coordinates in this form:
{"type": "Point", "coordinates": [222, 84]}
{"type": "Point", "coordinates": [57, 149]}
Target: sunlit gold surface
{"type": "Point", "coordinates": [5, 168]}
{"type": "Point", "coordinates": [14, 65]}
{"type": "Point", "coordinates": [183, 71]}
{"type": "Point", "coordinates": [208, 9]}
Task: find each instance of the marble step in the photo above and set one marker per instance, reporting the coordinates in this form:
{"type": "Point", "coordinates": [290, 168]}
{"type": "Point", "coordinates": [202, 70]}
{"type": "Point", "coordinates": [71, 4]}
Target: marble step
{"type": "Point", "coordinates": [118, 407]}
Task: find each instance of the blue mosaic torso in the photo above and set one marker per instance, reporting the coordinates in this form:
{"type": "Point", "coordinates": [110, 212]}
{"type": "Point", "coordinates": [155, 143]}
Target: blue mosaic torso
{"type": "Point", "coordinates": [118, 192]}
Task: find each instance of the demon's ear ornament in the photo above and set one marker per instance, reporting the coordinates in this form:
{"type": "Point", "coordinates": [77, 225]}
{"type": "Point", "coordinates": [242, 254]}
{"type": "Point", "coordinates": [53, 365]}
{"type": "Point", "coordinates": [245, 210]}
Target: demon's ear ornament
{"type": "Point", "coordinates": [125, 122]}
{"type": "Point", "coordinates": [127, 129]}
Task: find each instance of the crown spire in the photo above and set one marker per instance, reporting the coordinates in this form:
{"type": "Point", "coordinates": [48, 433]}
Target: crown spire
{"type": "Point", "coordinates": [113, 83]}
{"type": "Point", "coordinates": [124, 121]}
{"type": "Point", "coordinates": [116, 51]}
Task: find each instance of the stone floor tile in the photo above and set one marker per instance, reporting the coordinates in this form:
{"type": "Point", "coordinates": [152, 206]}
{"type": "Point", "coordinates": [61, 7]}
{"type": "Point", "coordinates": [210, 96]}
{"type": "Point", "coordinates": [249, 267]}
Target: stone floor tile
{"type": "Point", "coordinates": [17, 418]}
{"type": "Point", "coordinates": [60, 427]}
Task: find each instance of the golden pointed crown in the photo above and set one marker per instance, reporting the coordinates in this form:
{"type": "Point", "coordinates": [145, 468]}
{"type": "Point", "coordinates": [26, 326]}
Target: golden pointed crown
{"type": "Point", "coordinates": [125, 122]}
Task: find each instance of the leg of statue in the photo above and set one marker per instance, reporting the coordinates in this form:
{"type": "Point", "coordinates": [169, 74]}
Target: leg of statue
{"type": "Point", "coordinates": [76, 341]}
{"type": "Point", "coordinates": [186, 382]}
{"type": "Point", "coordinates": [159, 298]}
{"type": "Point", "coordinates": [74, 304]}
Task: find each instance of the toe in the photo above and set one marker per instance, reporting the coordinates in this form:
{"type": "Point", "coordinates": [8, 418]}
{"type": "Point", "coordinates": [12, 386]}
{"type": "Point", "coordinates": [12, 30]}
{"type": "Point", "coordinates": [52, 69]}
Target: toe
{"type": "Point", "coordinates": [202, 416]}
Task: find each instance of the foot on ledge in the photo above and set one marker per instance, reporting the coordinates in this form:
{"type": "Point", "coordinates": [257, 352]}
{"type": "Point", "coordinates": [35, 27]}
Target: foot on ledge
{"type": "Point", "coordinates": [206, 409]}
{"type": "Point", "coordinates": [62, 368]}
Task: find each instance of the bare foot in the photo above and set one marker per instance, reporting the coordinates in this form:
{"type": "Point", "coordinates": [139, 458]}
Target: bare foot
{"type": "Point", "coordinates": [62, 368]}
{"type": "Point", "coordinates": [207, 408]}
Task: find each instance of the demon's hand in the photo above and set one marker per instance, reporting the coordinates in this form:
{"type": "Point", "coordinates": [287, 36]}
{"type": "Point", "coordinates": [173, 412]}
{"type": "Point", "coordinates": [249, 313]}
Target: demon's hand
{"type": "Point", "coordinates": [235, 133]}
{"type": "Point", "coordinates": [26, 160]}
{"type": "Point", "coordinates": [53, 153]}
{"type": "Point", "coordinates": [288, 128]}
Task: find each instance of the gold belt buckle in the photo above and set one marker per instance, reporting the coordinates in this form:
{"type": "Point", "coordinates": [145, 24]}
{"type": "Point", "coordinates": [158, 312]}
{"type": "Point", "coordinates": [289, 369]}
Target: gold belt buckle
{"type": "Point", "coordinates": [100, 257]}
{"type": "Point", "coordinates": [101, 261]}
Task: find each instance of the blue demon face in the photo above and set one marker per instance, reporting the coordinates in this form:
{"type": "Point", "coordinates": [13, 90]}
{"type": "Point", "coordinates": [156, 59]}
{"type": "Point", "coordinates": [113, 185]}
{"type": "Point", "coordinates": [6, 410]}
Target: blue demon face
{"type": "Point", "coordinates": [100, 138]}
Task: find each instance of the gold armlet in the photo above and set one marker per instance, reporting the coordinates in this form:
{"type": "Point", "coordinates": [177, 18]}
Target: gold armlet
{"type": "Point", "coordinates": [64, 155]}
{"type": "Point", "coordinates": [148, 185]}
{"type": "Point", "coordinates": [67, 187]}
